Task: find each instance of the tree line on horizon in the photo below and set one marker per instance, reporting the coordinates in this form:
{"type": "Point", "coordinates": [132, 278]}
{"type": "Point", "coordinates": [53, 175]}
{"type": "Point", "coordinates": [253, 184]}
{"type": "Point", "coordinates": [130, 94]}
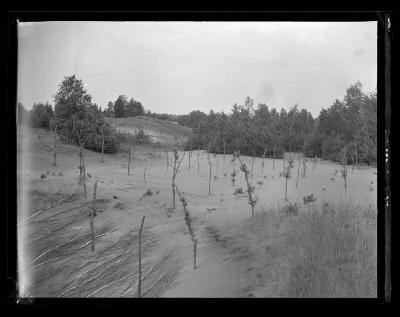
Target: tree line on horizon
{"type": "Point", "coordinates": [349, 124]}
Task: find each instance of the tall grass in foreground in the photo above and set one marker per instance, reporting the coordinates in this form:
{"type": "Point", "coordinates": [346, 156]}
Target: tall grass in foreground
{"type": "Point", "coordinates": [326, 254]}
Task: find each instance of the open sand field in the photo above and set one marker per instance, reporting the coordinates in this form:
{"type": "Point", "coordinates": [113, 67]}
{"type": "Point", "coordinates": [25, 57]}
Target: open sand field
{"type": "Point", "coordinates": [54, 252]}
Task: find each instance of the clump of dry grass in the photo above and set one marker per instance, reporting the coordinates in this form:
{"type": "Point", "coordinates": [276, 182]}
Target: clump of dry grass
{"type": "Point", "coordinates": [328, 253]}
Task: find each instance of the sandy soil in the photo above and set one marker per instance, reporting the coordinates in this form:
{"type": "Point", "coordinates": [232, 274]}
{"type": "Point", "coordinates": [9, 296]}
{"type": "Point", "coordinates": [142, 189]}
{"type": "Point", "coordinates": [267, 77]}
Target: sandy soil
{"type": "Point", "coordinates": [226, 264]}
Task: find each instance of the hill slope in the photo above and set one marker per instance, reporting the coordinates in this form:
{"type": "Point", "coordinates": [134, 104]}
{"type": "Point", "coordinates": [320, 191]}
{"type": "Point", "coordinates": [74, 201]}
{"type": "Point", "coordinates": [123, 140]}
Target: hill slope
{"type": "Point", "coordinates": [160, 130]}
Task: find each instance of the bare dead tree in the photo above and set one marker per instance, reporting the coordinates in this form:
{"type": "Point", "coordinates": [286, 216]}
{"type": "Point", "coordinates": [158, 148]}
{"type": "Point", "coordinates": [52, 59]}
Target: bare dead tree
{"type": "Point", "coordinates": [144, 175]}
{"type": "Point", "coordinates": [188, 221]}
{"type": "Point", "coordinates": [175, 172]}
{"type": "Point", "coordinates": [140, 259]}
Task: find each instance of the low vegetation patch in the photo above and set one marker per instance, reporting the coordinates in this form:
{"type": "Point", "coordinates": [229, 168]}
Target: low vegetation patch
{"type": "Point", "coordinates": [328, 253]}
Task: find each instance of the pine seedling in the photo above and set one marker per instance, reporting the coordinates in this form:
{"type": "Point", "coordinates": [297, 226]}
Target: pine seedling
{"type": "Point", "coordinates": [252, 162]}
{"type": "Point", "coordinates": [175, 170]}
{"type": "Point", "coordinates": [55, 146]}
{"type": "Point", "coordinates": [198, 162]}
{"type": "Point", "coordinates": [102, 143]}
{"type": "Point", "coordinates": [298, 172]}
{"type": "Point", "coordinates": [252, 199]}
{"type": "Point", "coordinates": [262, 163]}
{"type": "Point", "coordinates": [189, 221]}
{"type": "Point", "coordinates": [94, 199]}
{"type": "Point", "coordinates": [344, 168]}
{"type": "Point", "coordinates": [307, 200]}
{"type": "Point", "coordinates": [140, 259]}
{"type": "Point", "coordinates": [286, 174]}
{"type": "Point", "coordinates": [209, 179]}
{"type": "Point", "coordinates": [304, 168]}
{"type": "Point", "coordinates": [233, 175]}
{"type": "Point", "coordinates": [273, 161]}
{"type": "Point", "coordinates": [166, 154]}
{"type": "Point", "coordinates": [129, 160]}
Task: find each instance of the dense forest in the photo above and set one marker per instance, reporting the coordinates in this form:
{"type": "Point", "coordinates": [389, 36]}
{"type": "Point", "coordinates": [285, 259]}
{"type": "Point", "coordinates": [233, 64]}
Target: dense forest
{"type": "Point", "coordinates": [348, 126]}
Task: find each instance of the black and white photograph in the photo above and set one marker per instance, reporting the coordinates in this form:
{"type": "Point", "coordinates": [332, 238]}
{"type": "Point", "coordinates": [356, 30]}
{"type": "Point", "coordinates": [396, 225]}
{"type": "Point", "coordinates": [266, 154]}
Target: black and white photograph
{"type": "Point", "coordinates": [197, 159]}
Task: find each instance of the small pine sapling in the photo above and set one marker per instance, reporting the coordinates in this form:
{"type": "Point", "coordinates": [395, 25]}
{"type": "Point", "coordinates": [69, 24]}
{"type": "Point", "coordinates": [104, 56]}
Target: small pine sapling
{"type": "Point", "coordinates": [298, 172]}
{"type": "Point", "coordinates": [304, 168]}
{"type": "Point", "coordinates": [167, 155]}
{"type": "Point", "coordinates": [92, 215]}
{"type": "Point", "coordinates": [209, 179]}
{"type": "Point", "coordinates": [308, 200]}
{"type": "Point", "coordinates": [273, 161]}
{"type": "Point", "coordinates": [129, 160]}
{"type": "Point", "coordinates": [233, 175]}
{"type": "Point", "coordinates": [286, 174]}
{"type": "Point", "coordinates": [175, 170]}
{"type": "Point", "coordinates": [198, 162]}
{"type": "Point", "coordinates": [140, 259]}
{"type": "Point", "coordinates": [250, 189]}
{"type": "Point", "coordinates": [189, 221]}
{"type": "Point", "coordinates": [190, 154]}
{"type": "Point", "coordinates": [102, 143]}
{"type": "Point", "coordinates": [344, 167]}
{"type": "Point", "coordinates": [55, 146]}
{"type": "Point", "coordinates": [262, 163]}
{"type": "Point", "coordinates": [252, 162]}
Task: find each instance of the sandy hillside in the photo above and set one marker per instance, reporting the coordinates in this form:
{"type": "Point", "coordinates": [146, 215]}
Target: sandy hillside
{"type": "Point", "coordinates": [161, 131]}
{"type": "Point", "coordinates": [56, 261]}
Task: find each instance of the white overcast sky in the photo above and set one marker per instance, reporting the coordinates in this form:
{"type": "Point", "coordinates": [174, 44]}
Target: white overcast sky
{"type": "Point", "coordinates": [177, 67]}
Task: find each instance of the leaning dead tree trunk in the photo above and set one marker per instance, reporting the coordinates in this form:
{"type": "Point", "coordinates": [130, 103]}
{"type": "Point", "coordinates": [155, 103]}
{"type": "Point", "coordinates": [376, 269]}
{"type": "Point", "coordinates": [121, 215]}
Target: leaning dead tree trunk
{"type": "Point", "coordinates": [188, 221]}
{"type": "Point", "coordinates": [175, 172]}
{"type": "Point", "coordinates": [140, 259]}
